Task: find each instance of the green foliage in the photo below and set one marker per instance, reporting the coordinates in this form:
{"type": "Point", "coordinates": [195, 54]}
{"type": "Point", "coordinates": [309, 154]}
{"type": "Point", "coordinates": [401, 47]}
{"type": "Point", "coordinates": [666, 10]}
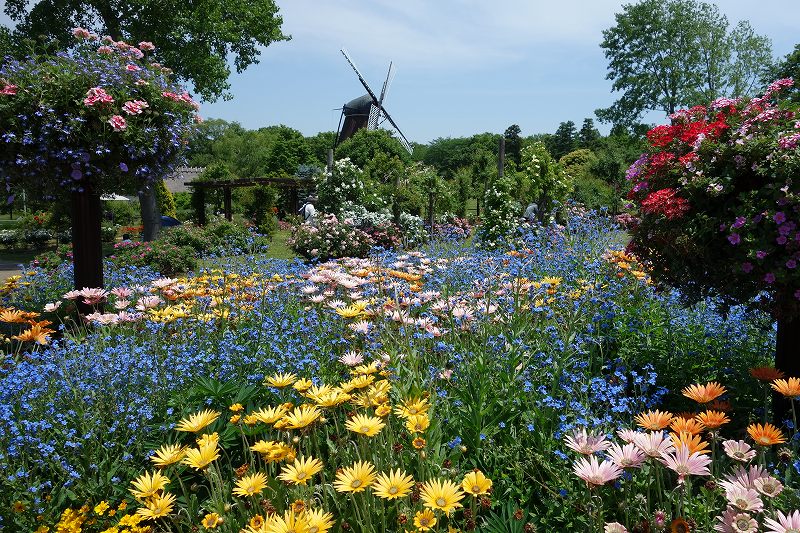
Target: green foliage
{"type": "Point", "coordinates": [563, 141]}
{"type": "Point", "coordinates": [259, 206]}
{"type": "Point", "coordinates": [447, 155]}
{"type": "Point", "coordinates": [366, 144]}
{"type": "Point", "coordinates": [160, 255]}
{"type": "Point", "coordinates": [589, 189]}
{"type": "Point", "coordinates": [549, 185]}
{"type": "Point", "coordinates": [164, 199]}
{"type": "Point", "coordinates": [513, 145]}
{"type": "Point", "coordinates": [788, 67]}
{"type": "Point", "coordinates": [319, 145]}
{"type": "Point", "coordinates": [588, 135]}
{"type": "Point", "coordinates": [501, 216]}
{"type": "Point", "coordinates": [344, 184]}
{"type": "Point", "coordinates": [664, 55]}
{"type": "Point", "coordinates": [197, 39]}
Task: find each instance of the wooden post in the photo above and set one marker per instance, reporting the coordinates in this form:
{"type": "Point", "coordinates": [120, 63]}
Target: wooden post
{"type": "Point", "coordinates": [227, 203]}
{"type": "Point", "coordinates": [330, 159]}
{"type": "Point", "coordinates": [501, 157]}
{"type": "Point", "coordinates": [294, 203]}
{"type": "Point", "coordinates": [87, 243]}
{"type": "Point", "coordinates": [200, 205]}
{"type": "Point", "coordinates": [151, 218]}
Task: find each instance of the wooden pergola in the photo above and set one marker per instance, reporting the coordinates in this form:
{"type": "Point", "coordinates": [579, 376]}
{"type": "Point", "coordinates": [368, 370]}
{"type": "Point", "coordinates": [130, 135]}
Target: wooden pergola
{"type": "Point", "coordinates": [293, 184]}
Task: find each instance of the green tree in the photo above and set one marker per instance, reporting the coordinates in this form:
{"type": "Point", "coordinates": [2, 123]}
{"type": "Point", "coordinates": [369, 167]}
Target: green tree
{"type": "Point", "coordinates": [362, 147]}
{"type": "Point", "coordinates": [200, 151]}
{"type": "Point", "coordinates": [196, 38]}
{"type": "Point", "coordinates": [563, 141]}
{"type": "Point", "coordinates": [549, 185]}
{"type": "Point", "coordinates": [513, 144]}
{"type": "Point", "coordinates": [588, 135]}
{"type": "Point", "coordinates": [164, 199]}
{"type": "Point", "coordinates": [788, 67]}
{"type": "Point", "coordinates": [667, 54]}
{"type": "Point", "coordinates": [319, 145]}
{"type": "Point", "coordinates": [502, 213]}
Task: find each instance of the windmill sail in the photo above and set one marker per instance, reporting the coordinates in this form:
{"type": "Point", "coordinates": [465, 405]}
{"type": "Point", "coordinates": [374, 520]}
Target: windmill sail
{"type": "Point", "coordinates": [367, 111]}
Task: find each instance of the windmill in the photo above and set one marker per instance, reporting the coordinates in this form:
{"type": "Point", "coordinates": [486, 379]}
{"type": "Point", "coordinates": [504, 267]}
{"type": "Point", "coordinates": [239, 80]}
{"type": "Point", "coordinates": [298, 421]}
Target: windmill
{"type": "Point", "coordinates": [367, 111]}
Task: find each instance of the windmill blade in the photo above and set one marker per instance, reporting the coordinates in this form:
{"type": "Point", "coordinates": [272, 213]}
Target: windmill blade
{"type": "Point", "coordinates": [386, 83]}
{"type": "Point", "coordinates": [360, 77]}
{"type": "Point", "coordinates": [374, 114]}
{"type": "Point", "coordinates": [402, 139]}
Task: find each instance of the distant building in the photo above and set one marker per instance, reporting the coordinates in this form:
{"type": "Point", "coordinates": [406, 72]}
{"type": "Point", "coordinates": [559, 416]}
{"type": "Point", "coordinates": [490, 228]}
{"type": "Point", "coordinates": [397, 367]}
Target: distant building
{"type": "Point", "coordinates": [175, 183]}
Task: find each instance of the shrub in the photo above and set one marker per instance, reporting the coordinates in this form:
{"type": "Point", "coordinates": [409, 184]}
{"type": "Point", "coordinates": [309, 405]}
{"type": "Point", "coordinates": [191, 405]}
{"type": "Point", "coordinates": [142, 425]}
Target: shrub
{"type": "Point", "coordinates": [161, 256]}
{"type": "Point", "coordinates": [165, 200]}
{"type": "Point", "coordinates": [328, 237]}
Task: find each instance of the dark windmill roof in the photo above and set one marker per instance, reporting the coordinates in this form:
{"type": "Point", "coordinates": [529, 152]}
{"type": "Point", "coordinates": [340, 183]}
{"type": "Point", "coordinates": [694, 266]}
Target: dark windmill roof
{"type": "Point", "coordinates": [175, 183]}
{"type": "Point", "coordinates": [358, 106]}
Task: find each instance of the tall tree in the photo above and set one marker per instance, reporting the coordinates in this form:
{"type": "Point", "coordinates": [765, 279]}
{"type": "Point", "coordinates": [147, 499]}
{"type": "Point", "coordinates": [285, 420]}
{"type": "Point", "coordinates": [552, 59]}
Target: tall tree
{"type": "Point", "coordinates": [513, 144]}
{"type": "Point", "coordinates": [196, 38]}
{"type": "Point", "coordinates": [588, 135]}
{"type": "Point", "coordinates": [667, 54]}
{"type": "Point", "coordinates": [563, 141]}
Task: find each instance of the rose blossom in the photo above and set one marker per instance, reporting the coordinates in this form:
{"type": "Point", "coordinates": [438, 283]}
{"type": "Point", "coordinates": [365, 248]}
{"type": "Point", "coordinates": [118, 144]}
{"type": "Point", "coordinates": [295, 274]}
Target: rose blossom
{"type": "Point", "coordinates": [104, 50]}
{"type": "Point", "coordinates": [146, 46]}
{"type": "Point", "coordinates": [9, 90]}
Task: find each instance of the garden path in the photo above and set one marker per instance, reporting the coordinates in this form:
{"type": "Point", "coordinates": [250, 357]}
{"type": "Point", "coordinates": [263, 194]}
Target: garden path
{"type": "Point", "coordinates": [8, 269]}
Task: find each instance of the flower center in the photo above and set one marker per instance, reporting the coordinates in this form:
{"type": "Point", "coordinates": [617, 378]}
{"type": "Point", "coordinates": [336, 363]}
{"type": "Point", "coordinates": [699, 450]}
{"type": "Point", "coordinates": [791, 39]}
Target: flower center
{"type": "Point", "coordinates": [393, 490]}
{"type": "Point", "coordinates": [741, 503]}
{"type": "Point", "coordinates": [364, 429]}
{"type": "Point", "coordinates": [424, 522]}
{"type": "Point", "coordinates": [440, 502]}
{"type": "Point", "coordinates": [476, 489]}
{"type": "Point", "coordinates": [356, 483]}
{"type": "Point", "coordinates": [301, 475]}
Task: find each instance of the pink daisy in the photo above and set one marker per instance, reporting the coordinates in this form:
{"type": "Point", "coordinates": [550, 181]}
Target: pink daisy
{"type": "Point", "coordinates": [738, 450]}
{"type": "Point", "coordinates": [743, 498]}
{"type": "Point", "coordinates": [594, 473]}
{"type": "Point", "coordinates": [789, 523]}
{"type": "Point", "coordinates": [686, 464]}
{"type": "Point", "coordinates": [654, 443]}
{"type": "Point", "coordinates": [733, 521]}
{"type": "Point", "coordinates": [627, 456]}
{"type": "Point", "coordinates": [586, 444]}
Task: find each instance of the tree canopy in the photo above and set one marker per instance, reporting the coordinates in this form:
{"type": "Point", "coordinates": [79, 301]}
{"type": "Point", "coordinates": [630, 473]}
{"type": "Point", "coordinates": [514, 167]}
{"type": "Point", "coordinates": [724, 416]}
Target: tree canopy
{"type": "Point", "coordinates": [664, 55]}
{"type": "Point", "coordinates": [195, 38]}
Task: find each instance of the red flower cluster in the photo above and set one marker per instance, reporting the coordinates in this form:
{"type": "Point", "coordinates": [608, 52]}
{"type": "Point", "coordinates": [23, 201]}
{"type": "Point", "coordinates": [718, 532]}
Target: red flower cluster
{"type": "Point", "coordinates": [665, 202]}
{"type": "Point", "coordinates": [688, 127]}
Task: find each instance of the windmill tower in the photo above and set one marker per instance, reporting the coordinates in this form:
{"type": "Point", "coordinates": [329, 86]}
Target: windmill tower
{"type": "Point", "coordinates": [367, 111]}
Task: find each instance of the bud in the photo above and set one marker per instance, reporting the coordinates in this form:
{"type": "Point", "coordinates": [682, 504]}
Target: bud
{"type": "Point", "coordinates": [463, 448]}
{"type": "Point", "coordinates": [295, 439]}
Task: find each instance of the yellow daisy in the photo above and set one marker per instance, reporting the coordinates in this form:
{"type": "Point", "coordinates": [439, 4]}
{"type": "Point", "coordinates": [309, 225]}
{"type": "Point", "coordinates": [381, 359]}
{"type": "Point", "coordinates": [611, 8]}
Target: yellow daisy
{"type": "Point", "coordinates": [281, 380]}
{"type": "Point", "coordinates": [251, 485]}
{"type": "Point", "coordinates": [302, 416]}
{"type": "Point", "coordinates": [418, 423]}
{"type": "Point", "coordinates": [476, 483]}
{"type": "Point", "coordinates": [302, 385]}
{"type": "Point", "coordinates": [147, 485]}
{"type": "Point", "coordinates": [394, 485]}
{"type": "Point", "coordinates": [355, 478]}
{"type": "Point", "coordinates": [199, 458]}
{"type": "Point", "coordinates": [157, 507]}
{"type": "Point", "coordinates": [411, 407]}
{"type": "Point", "coordinates": [318, 521]}
{"type": "Point", "coordinates": [269, 415]}
{"type": "Point", "coordinates": [197, 421]}
{"type": "Point", "coordinates": [365, 425]}
{"type": "Point", "coordinates": [212, 521]}
{"type": "Point", "coordinates": [442, 495]}
{"type": "Point", "coordinates": [300, 472]}
{"type": "Point", "coordinates": [424, 520]}
{"type": "Point", "coordinates": [288, 523]}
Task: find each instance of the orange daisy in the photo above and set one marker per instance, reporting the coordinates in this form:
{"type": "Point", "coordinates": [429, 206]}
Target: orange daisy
{"type": "Point", "coordinates": [704, 393]}
{"type": "Point", "coordinates": [12, 316]}
{"type": "Point", "coordinates": [680, 425]}
{"type": "Point", "coordinates": [36, 334]}
{"type": "Point", "coordinates": [720, 405]}
{"type": "Point", "coordinates": [654, 420]}
{"type": "Point", "coordinates": [713, 419]}
{"type": "Point", "coordinates": [766, 373]}
{"type": "Point", "coordinates": [765, 435]}
{"type": "Point", "coordinates": [790, 388]}
{"type": "Point", "coordinates": [694, 443]}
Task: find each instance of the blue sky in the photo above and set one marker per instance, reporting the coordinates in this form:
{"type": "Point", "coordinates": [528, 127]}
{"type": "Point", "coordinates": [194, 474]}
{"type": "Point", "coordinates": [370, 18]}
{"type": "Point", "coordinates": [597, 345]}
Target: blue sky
{"type": "Point", "coordinates": [463, 66]}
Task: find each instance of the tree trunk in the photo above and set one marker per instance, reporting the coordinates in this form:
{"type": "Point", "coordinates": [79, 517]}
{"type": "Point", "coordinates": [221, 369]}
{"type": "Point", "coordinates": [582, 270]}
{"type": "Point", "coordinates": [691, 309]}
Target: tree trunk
{"type": "Point", "coordinates": [151, 218]}
{"type": "Point", "coordinates": [87, 244]}
{"type": "Point", "coordinates": [787, 359]}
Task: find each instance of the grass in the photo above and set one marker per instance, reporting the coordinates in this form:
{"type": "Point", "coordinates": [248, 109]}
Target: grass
{"type": "Point", "coordinates": [21, 256]}
{"type": "Point", "coordinates": [278, 249]}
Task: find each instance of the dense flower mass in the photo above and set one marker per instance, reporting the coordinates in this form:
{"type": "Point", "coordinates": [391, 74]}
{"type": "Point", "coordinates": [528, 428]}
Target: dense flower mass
{"type": "Point", "coordinates": [90, 116]}
{"type": "Point", "coordinates": [718, 200]}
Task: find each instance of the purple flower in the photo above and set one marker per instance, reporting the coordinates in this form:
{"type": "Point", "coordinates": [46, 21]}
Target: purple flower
{"type": "Point", "coordinates": [123, 167]}
{"type": "Point", "coordinates": [76, 174]}
{"type": "Point", "coordinates": [797, 294]}
{"type": "Point", "coordinates": [781, 239]}
{"type": "Point", "coordinates": [747, 267]}
{"type": "Point", "coordinates": [734, 238]}
{"type": "Point", "coordinates": [791, 263]}
{"type": "Point", "coordinates": [758, 218]}
{"type": "Point", "coordinates": [770, 277]}
{"type": "Point", "coordinates": [723, 227]}
{"type": "Point", "coordinates": [739, 222]}
{"type": "Point", "coordinates": [761, 254]}
{"type": "Point", "coordinates": [779, 217]}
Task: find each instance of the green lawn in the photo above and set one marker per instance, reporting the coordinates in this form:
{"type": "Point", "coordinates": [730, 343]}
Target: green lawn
{"type": "Point", "coordinates": [278, 248]}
